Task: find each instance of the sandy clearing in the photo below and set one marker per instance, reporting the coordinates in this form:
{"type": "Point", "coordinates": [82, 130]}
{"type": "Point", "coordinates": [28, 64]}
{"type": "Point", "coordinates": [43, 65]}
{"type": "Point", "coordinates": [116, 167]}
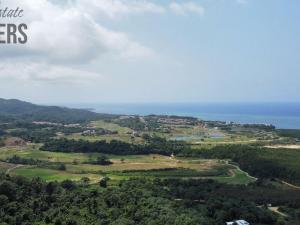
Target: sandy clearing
{"type": "Point", "coordinates": [290, 185]}
{"type": "Point", "coordinates": [284, 146]}
{"type": "Point", "coordinates": [276, 210]}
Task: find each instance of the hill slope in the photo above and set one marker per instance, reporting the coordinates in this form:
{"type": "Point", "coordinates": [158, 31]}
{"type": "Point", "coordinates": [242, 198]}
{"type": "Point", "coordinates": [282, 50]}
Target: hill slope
{"type": "Point", "coordinates": [13, 109]}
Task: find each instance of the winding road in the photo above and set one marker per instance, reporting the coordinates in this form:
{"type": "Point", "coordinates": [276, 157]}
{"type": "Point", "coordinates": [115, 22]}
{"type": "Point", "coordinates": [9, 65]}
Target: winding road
{"type": "Point", "coordinates": [290, 185]}
{"type": "Point", "coordinates": [12, 168]}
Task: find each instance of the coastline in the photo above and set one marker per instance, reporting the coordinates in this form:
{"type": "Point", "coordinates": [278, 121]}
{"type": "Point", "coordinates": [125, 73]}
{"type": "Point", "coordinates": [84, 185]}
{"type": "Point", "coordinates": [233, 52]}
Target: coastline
{"type": "Point", "coordinates": [281, 115]}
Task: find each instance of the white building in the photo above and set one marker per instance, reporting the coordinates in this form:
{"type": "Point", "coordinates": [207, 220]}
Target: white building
{"type": "Point", "coordinates": [238, 222]}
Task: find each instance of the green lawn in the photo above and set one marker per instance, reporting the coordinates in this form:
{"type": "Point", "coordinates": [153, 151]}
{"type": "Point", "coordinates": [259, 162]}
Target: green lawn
{"type": "Point", "coordinates": [238, 177]}
{"type": "Point", "coordinates": [110, 126]}
{"type": "Point", "coordinates": [46, 156]}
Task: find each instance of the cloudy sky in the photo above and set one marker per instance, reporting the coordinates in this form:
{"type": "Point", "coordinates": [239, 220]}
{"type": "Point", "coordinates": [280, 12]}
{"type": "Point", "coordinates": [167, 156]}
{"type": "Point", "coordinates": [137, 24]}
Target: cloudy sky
{"type": "Point", "coordinates": [111, 51]}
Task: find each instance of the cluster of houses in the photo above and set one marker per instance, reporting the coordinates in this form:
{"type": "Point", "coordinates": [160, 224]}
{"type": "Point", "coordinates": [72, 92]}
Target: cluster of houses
{"type": "Point", "coordinates": [175, 121]}
{"type": "Point", "coordinates": [88, 133]}
{"type": "Point", "coordinates": [93, 132]}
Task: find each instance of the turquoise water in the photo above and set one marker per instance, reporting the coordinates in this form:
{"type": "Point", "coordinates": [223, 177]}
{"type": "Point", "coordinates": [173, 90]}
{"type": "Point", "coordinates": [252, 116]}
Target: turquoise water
{"type": "Point", "coordinates": [282, 115]}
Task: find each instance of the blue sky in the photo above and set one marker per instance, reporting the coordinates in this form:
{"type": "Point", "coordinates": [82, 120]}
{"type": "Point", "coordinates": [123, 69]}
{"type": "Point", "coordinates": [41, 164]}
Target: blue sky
{"type": "Point", "coordinates": [155, 51]}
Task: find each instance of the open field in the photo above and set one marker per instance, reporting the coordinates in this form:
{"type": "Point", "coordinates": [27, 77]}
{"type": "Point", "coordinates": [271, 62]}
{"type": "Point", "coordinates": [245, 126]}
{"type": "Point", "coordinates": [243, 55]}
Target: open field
{"type": "Point", "coordinates": [238, 177]}
{"type": "Point", "coordinates": [122, 167]}
{"type": "Point", "coordinates": [28, 153]}
{"type": "Point", "coordinates": [296, 146]}
{"type": "Point", "coordinates": [52, 175]}
{"type": "Point", "coordinates": [124, 133]}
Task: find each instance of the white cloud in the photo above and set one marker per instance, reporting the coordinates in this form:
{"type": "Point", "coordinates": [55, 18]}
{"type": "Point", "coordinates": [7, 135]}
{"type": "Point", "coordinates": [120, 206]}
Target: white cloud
{"type": "Point", "coordinates": [69, 34]}
{"type": "Point", "coordinates": [186, 8]}
{"type": "Point", "coordinates": [79, 39]}
{"type": "Point", "coordinates": [66, 37]}
{"type": "Point", "coordinates": [51, 74]}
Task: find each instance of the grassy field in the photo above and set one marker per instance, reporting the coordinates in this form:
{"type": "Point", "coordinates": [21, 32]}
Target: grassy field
{"type": "Point", "coordinates": [197, 135]}
{"type": "Point", "coordinates": [124, 134]}
{"type": "Point", "coordinates": [28, 152]}
{"type": "Point", "coordinates": [238, 177]}
{"type": "Point", "coordinates": [53, 175]}
{"type": "Point", "coordinates": [123, 167]}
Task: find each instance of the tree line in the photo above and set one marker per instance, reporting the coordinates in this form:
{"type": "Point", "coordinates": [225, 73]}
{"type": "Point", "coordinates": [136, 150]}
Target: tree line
{"type": "Point", "coordinates": [154, 146]}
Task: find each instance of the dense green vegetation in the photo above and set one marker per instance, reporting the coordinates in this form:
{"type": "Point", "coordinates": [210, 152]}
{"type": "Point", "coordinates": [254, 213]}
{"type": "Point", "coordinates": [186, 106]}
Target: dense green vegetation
{"type": "Point", "coordinates": [34, 135]}
{"type": "Point", "coordinates": [18, 160]}
{"type": "Point", "coordinates": [258, 161]}
{"type": "Point", "coordinates": [132, 202]}
{"type": "Point", "coordinates": [289, 133]}
{"type": "Point", "coordinates": [133, 123]}
{"type": "Point", "coordinates": [155, 145]}
{"type": "Point", "coordinates": [172, 173]}
{"type": "Point", "coordinates": [1, 142]}
{"type": "Point", "coordinates": [2, 133]}
{"type": "Point", "coordinates": [102, 160]}
{"type": "Point", "coordinates": [39, 133]}
{"type": "Point", "coordinates": [18, 110]}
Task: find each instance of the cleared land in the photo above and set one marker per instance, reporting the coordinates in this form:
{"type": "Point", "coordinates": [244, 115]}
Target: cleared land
{"type": "Point", "coordinates": [123, 167]}
{"type": "Point", "coordinates": [284, 146]}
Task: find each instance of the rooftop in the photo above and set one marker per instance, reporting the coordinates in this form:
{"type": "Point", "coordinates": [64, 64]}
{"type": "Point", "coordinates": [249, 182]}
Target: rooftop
{"type": "Point", "coordinates": [238, 222]}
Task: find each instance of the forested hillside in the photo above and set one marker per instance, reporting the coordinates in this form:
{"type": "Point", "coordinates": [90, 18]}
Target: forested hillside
{"type": "Point", "coordinates": [15, 110]}
{"type": "Point", "coordinates": [137, 201]}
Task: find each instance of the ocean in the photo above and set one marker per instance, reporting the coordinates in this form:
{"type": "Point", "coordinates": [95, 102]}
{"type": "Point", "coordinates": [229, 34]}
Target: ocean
{"type": "Point", "coordinates": [281, 115]}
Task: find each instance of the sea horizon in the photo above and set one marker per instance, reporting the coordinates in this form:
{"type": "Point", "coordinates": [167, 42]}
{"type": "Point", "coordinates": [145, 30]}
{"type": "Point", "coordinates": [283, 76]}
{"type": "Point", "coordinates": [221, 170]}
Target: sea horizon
{"type": "Point", "coordinates": [281, 115]}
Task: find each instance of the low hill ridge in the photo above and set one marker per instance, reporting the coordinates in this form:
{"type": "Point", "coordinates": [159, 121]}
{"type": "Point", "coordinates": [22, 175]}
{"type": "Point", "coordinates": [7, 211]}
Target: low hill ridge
{"type": "Point", "coordinates": [17, 109]}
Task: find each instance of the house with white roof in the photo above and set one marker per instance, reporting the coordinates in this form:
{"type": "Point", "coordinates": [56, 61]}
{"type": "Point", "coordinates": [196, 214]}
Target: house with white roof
{"type": "Point", "coordinates": [238, 222]}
